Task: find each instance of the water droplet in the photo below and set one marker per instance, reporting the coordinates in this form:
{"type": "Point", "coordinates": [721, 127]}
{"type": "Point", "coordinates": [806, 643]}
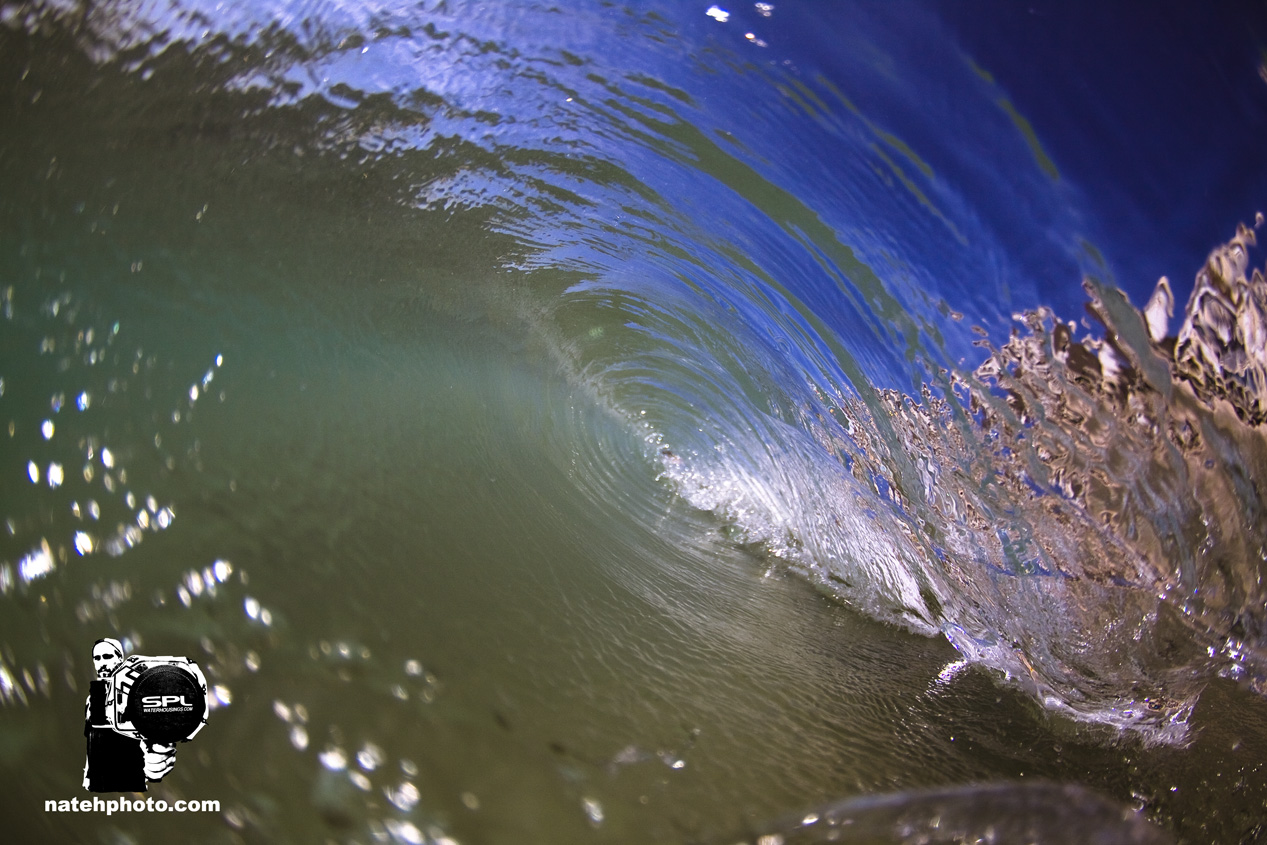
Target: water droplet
{"type": "Point", "coordinates": [370, 757]}
{"type": "Point", "coordinates": [334, 759]}
{"type": "Point", "coordinates": [403, 831]}
{"type": "Point", "coordinates": [37, 563]}
{"type": "Point", "coordinates": [405, 797]}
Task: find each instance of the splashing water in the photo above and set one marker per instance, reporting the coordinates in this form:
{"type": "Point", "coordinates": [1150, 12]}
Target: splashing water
{"type": "Point", "coordinates": [459, 382]}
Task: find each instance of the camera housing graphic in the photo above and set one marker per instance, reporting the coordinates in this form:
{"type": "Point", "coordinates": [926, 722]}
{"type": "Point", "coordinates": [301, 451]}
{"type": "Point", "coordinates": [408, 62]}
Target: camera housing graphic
{"type": "Point", "coordinates": [157, 699]}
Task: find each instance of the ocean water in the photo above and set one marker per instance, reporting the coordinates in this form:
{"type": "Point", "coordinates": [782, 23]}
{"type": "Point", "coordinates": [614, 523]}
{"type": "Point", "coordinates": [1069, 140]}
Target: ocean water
{"type": "Point", "coordinates": [648, 422]}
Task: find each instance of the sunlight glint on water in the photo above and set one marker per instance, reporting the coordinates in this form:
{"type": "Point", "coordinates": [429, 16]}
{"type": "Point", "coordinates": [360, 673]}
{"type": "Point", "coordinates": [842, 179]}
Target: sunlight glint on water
{"type": "Point", "coordinates": [569, 428]}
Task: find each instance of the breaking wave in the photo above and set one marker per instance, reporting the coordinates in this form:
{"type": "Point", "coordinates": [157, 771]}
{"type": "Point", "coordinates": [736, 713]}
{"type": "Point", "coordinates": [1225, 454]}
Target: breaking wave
{"type": "Point", "coordinates": [1082, 512]}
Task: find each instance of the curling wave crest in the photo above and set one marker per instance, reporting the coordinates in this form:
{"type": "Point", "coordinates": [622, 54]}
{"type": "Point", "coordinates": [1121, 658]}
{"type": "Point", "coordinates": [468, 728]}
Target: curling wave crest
{"type": "Point", "coordinates": [1082, 514]}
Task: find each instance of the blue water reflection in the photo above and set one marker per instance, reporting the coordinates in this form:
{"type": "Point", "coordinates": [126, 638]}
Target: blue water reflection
{"type": "Point", "coordinates": [549, 340]}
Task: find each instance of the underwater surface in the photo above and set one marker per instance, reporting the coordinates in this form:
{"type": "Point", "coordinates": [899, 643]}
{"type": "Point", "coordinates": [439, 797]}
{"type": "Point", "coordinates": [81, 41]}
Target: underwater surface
{"type": "Point", "coordinates": [641, 422]}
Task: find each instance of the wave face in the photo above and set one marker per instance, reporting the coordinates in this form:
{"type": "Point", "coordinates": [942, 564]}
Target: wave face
{"type": "Point", "coordinates": [539, 343]}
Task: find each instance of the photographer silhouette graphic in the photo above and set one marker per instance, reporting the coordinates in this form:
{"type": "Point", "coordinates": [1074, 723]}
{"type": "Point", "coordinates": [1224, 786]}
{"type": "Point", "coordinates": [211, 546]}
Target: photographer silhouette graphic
{"type": "Point", "coordinates": [138, 709]}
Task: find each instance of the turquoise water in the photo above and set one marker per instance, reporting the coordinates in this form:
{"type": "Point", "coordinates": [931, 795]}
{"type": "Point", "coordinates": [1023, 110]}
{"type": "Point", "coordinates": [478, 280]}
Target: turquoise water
{"type": "Point", "coordinates": [600, 425]}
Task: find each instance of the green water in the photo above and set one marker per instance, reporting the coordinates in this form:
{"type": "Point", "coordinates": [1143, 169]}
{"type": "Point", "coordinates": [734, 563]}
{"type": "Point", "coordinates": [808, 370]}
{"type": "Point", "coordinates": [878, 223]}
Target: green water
{"type": "Point", "coordinates": [446, 551]}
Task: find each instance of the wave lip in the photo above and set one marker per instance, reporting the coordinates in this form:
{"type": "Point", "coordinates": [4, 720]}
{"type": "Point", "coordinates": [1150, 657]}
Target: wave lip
{"type": "Point", "coordinates": [1082, 514]}
{"type": "Point", "coordinates": [1121, 475]}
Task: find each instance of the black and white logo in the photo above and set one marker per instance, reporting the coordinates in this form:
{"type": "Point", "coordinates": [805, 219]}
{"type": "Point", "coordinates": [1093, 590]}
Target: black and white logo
{"type": "Point", "coordinates": [138, 709]}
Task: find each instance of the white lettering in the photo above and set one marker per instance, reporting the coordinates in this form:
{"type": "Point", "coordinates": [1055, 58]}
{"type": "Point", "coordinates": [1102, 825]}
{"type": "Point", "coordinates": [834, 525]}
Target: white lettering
{"type": "Point", "coordinates": [124, 804]}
